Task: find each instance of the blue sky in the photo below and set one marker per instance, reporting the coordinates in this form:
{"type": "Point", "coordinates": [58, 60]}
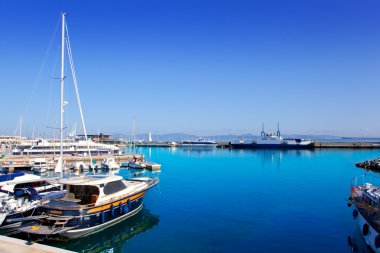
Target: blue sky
{"type": "Point", "coordinates": [198, 67]}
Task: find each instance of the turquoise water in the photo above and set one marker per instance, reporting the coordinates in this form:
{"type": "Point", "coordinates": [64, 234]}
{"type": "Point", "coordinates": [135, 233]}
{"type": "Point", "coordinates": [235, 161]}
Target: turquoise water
{"type": "Point", "coordinates": [240, 201]}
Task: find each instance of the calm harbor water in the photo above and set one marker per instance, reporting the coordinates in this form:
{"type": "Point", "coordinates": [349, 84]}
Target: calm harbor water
{"type": "Point", "coordinates": [215, 200]}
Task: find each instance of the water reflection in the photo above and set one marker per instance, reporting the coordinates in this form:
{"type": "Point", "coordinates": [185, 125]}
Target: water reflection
{"type": "Point", "coordinates": [112, 239]}
{"type": "Point", "coordinates": [199, 151]}
{"type": "Point", "coordinates": [272, 157]}
{"type": "Point", "coordinates": [356, 242]}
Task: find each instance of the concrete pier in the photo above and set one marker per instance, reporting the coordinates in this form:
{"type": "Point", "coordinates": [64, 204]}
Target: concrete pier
{"type": "Point", "coordinates": [347, 145]}
{"type": "Point", "coordinates": [12, 245]}
{"type": "Point", "coordinates": [23, 161]}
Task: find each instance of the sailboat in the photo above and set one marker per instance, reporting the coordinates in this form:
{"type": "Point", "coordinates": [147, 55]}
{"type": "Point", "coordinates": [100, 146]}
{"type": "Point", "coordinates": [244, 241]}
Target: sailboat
{"type": "Point", "coordinates": [91, 203]}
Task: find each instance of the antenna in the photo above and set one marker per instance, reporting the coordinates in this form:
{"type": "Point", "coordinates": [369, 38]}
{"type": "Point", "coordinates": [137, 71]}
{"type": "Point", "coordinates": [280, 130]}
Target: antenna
{"type": "Point", "coordinates": [262, 129]}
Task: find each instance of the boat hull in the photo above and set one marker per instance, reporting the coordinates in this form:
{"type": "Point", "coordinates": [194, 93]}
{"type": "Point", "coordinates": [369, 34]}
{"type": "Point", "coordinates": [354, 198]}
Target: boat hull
{"type": "Point", "coordinates": [39, 169]}
{"type": "Point", "coordinates": [136, 166]}
{"type": "Point", "coordinates": [370, 235]}
{"type": "Point", "coordinates": [7, 228]}
{"type": "Point", "coordinates": [91, 221]}
{"type": "Point", "coordinates": [78, 233]}
{"type": "Point", "coordinates": [271, 146]}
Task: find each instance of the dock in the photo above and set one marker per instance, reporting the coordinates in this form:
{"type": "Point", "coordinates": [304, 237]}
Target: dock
{"type": "Point", "coordinates": [317, 144]}
{"type": "Point", "coordinates": [11, 245]}
{"type": "Point", "coordinates": [153, 166]}
{"type": "Point", "coordinates": [352, 145]}
{"type": "Point", "coordinates": [12, 162]}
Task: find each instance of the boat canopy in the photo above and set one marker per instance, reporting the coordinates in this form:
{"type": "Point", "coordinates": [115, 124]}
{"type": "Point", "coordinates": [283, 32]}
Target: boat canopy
{"type": "Point", "coordinates": [95, 180]}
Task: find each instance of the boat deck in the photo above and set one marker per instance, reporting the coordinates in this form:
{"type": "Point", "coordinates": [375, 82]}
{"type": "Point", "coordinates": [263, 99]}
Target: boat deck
{"type": "Point", "coordinates": [44, 230]}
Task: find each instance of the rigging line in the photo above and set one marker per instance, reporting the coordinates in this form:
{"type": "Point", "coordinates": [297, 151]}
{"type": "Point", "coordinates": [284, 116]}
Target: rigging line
{"type": "Point", "coordinates": [53, 72]}
{"type": "Point", "coordinates": [68, 45]}
{"type": "Point", "coordinates": [41, 67]}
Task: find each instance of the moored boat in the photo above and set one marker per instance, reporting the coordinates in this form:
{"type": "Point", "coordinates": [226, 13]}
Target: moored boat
{"type": "Point", "coordinates": [91, 204]}
{"type": "Point", "coordinates": [273, 140]}
{"type": "Point", "coordinates": [201, 142]}
{"type": "Point", "coordinates": [365, 198]}
{"type": "Point", "coordinates": [39, 165]}
{"type": "Point", "coordinates": [70, 147]}
{"type": "Point", "coordinates": [21, 196]}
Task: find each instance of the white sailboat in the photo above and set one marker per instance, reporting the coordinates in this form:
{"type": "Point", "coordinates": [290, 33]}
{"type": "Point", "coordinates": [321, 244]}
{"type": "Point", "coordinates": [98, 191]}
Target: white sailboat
{"type": "Point", "coordinates": [91, 203]}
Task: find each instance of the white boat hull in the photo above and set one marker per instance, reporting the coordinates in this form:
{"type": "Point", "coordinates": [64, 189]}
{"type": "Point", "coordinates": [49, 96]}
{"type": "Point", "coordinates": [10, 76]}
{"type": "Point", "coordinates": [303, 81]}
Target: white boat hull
{"type": "Point", "coordinates": [370, 237]}
{"type": "Point", "coordinates": [39, 169]}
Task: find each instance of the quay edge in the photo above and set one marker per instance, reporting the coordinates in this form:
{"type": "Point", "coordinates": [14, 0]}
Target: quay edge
{"type": "Point", "coordinates": [11, 245]}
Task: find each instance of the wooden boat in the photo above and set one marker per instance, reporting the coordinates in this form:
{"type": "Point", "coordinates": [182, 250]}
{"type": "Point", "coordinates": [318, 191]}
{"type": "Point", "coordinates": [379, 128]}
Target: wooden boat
{"type": "Point", "coordinates": [91, 204]}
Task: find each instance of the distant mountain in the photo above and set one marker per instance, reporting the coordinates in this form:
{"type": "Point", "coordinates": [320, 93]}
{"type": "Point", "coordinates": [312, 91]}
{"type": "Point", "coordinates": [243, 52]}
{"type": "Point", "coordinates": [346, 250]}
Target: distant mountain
{"type": "Point", "coordinates": [177, 137]}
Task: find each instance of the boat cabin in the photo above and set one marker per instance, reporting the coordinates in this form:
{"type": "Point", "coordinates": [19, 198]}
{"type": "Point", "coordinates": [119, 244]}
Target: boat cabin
{"type": "Point", "coordinates": [93, 189]}
{"type": "Point", "coordinates": [371, 195]}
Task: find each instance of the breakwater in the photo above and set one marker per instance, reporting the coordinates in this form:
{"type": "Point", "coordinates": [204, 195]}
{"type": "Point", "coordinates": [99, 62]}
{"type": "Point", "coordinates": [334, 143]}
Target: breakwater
{"type": "Point", "coordinates": [316, 144]}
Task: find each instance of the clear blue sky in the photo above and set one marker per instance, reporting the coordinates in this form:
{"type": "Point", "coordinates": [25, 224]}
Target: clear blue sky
{"type": "Point", "coordinates": [200, 67]}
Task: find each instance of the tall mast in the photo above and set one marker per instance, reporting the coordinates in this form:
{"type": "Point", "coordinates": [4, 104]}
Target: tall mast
{"type": "Point", "coordinates": [62, 86]}
{"type": "Point", "coordinates": [20, 126]}
{"type": "Point", "coordinates": [133, 131]}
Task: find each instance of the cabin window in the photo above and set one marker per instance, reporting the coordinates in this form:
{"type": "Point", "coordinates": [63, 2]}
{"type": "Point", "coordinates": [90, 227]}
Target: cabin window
{"type": "Point", "coordinates": [113, 187]}
{"type": "Point", "coordinates": [84, 193]}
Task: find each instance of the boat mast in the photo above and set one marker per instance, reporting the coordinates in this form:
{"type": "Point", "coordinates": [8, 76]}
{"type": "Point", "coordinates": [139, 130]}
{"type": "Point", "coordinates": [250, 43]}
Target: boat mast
{"type": "Point", "coordinates": [20, 126]}
{"type": "Point", "coordinates": [62, 86]}
{"type": "Point", "coordinates": [133, 131]}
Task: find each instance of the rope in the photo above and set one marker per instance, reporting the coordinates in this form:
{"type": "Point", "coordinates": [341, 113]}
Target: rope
{"type": "Point", "coordinates": [41, 68]}
{"type": "Point", "coordinates": [68, 45]}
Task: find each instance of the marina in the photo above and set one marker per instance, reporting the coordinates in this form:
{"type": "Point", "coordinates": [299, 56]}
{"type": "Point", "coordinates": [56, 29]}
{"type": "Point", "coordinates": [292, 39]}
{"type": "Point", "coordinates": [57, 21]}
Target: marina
{"type": "Point", "coordinates": [266, 206]}
{"type": "Point", "coordinates": [20, 162]}
{"type": "Point", "coordinates": [152, 142]}
{"type": "Point", "coordinates": [315, 144]}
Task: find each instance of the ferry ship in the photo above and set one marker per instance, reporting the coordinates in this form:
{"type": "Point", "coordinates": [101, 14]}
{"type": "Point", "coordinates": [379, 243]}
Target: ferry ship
{"type": "Point", "coordinates": [272, 140]}
{"type": "Point", "coordinates": [366, 201]}
{"type": "Point", "coordinates": [199, 143]}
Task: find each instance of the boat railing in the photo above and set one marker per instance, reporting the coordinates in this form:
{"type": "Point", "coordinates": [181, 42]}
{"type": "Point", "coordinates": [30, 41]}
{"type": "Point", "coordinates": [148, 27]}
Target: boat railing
{"type": "Point", "coordinates": [364, 180]}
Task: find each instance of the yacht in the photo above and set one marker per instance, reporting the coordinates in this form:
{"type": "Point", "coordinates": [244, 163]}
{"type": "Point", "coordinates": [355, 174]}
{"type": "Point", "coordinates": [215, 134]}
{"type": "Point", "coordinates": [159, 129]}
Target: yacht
{"type": "Point", "coordinates": [201, 142]}
{"type": "Point", "coordinates": [78, 147]}
{"type": "Point", "coordinates": [91, 204]}
{"type": "Point", "coordinates": [365, 198]}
